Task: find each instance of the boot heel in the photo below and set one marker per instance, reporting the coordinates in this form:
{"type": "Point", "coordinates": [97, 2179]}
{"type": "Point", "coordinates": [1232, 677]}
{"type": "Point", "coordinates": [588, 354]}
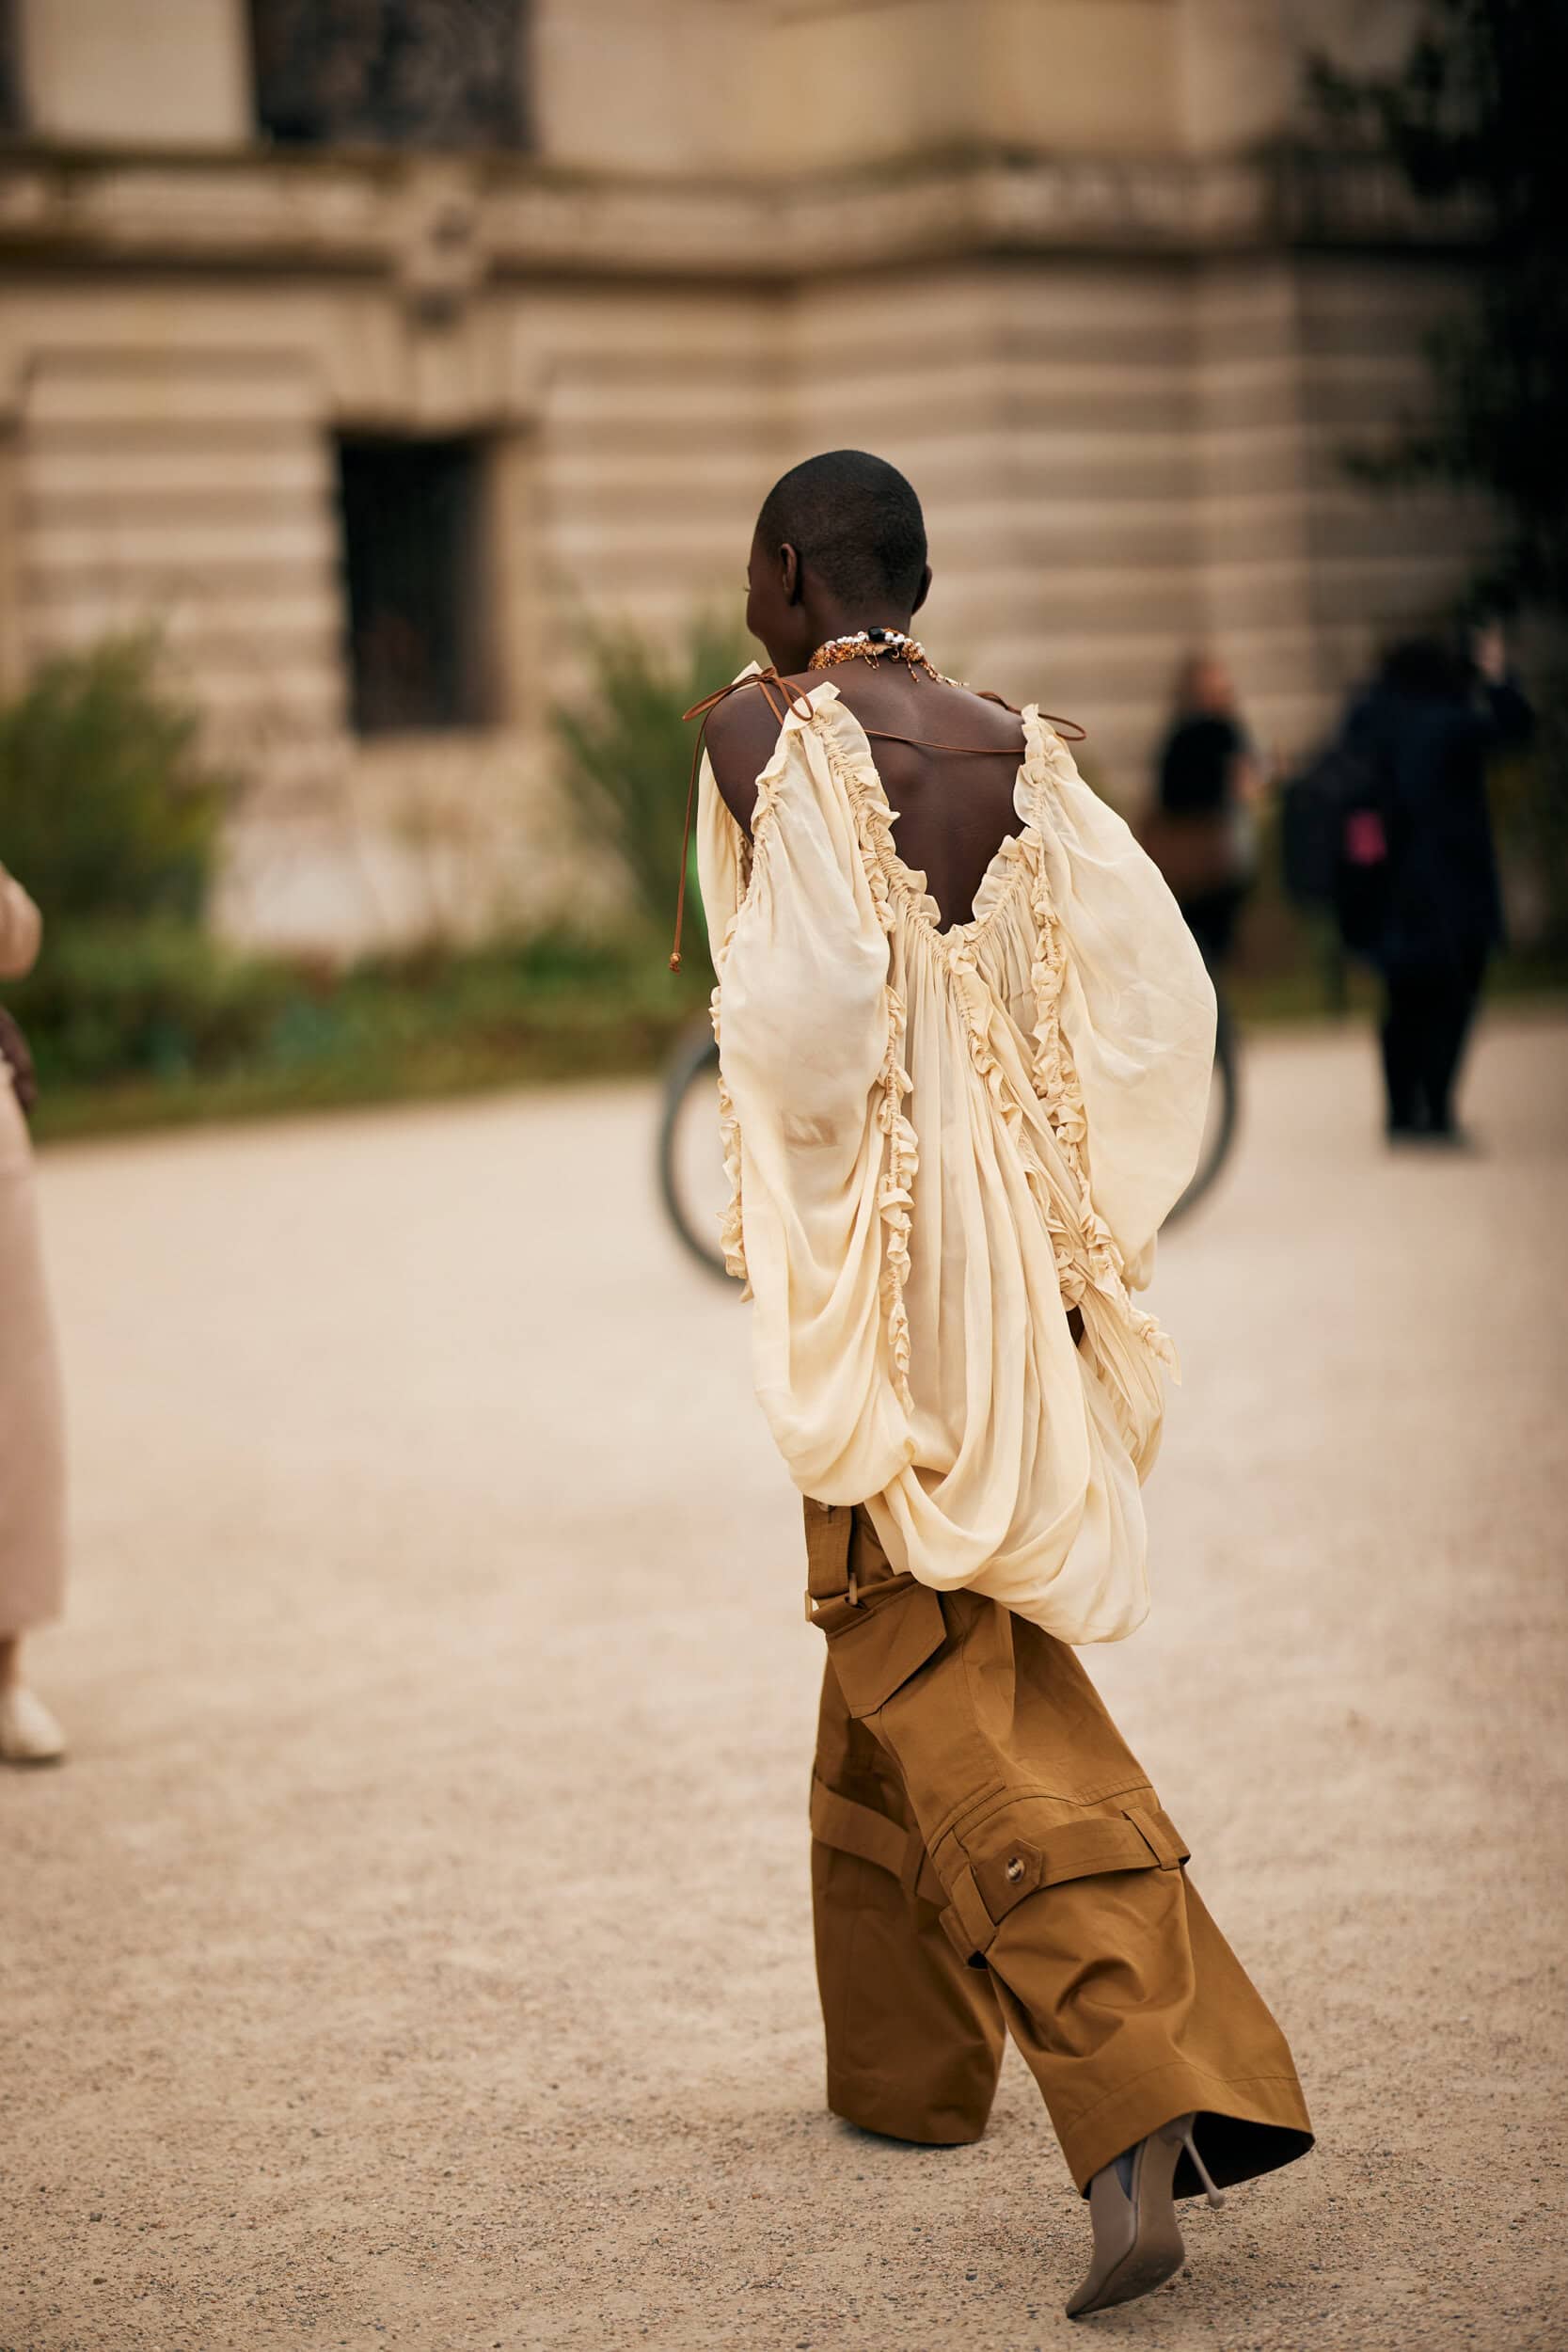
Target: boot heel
{"type": "Point", "coordinates": [1137, 2244]}
{"type": "Point", "coordinates": [1183, 2126]}
{"type": "Point", "coordinates": [1212, 2193]}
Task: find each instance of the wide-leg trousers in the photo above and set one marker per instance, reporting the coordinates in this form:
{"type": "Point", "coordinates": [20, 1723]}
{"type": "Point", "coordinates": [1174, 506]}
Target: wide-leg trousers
{"type": "Point", "coordinates": [989, 1857]}
{"type": "Point", "coordinates": [1430, 1010]}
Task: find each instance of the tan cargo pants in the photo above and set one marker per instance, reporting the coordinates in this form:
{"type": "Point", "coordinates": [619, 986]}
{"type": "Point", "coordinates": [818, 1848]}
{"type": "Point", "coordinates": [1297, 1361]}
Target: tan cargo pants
{"type": "Point", "coordinates": [987, 1854]}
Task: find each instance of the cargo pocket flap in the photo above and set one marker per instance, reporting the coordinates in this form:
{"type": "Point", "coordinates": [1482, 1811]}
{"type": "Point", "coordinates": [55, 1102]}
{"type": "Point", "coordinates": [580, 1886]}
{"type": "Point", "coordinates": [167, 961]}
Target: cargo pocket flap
{"type": "Point", "coordinates": [1132, 1839]}
{"type": "Point", "coordinates": [884, 1644]}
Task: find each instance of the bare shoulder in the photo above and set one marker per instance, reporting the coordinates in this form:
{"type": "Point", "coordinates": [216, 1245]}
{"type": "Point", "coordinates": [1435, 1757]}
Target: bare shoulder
{"type": "Point", "coordinates": [931, 712]}
{"type": "Point", "coordinates": [742, 731]}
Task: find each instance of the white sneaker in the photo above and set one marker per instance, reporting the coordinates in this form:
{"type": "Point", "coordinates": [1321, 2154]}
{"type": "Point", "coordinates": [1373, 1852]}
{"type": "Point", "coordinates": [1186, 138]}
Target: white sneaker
{"type": "Point", "coordinates": [29, 1732]}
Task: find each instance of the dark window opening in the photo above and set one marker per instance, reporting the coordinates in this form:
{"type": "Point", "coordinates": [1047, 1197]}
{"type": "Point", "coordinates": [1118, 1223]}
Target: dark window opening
{"type": "Point", "coordinates": [10, 70]}
{"type": "Point", "coordinates": [391, 73]}
{"type": "Point", "coordinates": [412, 564]}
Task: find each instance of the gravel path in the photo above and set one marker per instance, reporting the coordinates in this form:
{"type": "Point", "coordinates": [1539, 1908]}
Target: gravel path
{"type": "Point", "coordinates": [416, 1951]}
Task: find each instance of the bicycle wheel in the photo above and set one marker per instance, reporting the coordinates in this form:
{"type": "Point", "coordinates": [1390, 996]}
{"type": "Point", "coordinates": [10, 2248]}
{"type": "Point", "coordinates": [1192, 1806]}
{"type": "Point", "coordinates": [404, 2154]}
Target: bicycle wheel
{"type": "Point", "coordinates": [1225, 1105]}
{"type": "Point", "coordinates": [691, 1180]}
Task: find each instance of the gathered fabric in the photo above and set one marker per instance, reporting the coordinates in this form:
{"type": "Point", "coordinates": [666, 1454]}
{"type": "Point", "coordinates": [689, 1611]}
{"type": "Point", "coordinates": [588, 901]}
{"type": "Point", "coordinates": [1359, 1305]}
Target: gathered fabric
{"type": "Point", "coordinates": [939, 1142]}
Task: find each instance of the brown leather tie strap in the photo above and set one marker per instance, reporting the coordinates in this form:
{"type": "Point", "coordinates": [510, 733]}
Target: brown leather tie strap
{"type": "Point", "coordinates": [801, 705]}
{"type": "Point", "coordinates": [1069, 730]}
{"type": "Point", "coordinates": [979, 751]}
{"type": "Point", "coordinates": [703, 711]}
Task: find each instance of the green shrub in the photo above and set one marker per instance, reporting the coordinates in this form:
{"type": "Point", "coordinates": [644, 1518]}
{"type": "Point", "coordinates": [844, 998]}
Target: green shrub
{"type": "Point", "coordinates": [628, 750]}
{"type": "Point", "coordinates": [105, 808]}
{"type": "Point", "coordinates": [111, 999]}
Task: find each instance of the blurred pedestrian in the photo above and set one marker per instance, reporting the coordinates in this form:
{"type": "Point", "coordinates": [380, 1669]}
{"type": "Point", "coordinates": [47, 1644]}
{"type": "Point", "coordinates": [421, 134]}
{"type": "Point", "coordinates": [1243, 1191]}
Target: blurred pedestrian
{"type": "Point", "coordinates": [1202, 834]}
{"type": "Point", "coordinates": [1423, 735]}
{"type": "Point", "coordinates": [936, 1026]}
{"type": "Point", "coordinates": [32, 1465]}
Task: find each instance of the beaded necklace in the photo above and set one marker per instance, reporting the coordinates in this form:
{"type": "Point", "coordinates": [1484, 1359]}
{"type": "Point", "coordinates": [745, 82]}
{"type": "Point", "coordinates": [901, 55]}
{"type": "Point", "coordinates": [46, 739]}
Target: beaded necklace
{"type": "Point", "coordinates": [871, 646]}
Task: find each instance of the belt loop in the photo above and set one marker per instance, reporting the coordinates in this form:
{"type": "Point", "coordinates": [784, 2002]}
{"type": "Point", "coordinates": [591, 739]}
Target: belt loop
{"type": "Point", "coordinates": [1158, 1835]}
{"type": "Point", "coordinates": [825, 1600]}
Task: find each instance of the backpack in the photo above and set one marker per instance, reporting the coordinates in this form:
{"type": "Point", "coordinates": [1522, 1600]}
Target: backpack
{"type": "Point", "coordinates": [1336, 841]}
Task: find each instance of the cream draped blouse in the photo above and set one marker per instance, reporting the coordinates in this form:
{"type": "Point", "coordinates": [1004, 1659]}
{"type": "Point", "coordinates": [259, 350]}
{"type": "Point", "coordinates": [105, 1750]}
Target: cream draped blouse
{"type": "Point", "coordinates": [938, 1142]}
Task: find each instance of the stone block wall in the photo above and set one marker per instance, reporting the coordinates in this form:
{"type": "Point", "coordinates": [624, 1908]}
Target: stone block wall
{"type": "Point", "coordinates": [1121, 354]}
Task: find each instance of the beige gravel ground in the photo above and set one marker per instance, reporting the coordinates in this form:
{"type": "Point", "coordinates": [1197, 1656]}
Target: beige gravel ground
{"type": "Point", "coordinates": [416, 1951]}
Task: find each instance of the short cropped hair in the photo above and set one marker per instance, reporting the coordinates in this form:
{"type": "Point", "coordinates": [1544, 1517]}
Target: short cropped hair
{"type": "Point", "coordinates": [855, 520]}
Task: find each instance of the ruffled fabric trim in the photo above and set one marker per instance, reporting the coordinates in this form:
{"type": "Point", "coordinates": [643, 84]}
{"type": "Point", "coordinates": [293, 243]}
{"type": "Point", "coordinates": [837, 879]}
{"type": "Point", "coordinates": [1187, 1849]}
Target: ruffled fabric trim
{"type": "Point", "coordinates": [1056, 1076]}
{"type": "Point", "coordinates": [896, 1194]}
{"type": "Point", "coordinates": [1084, 1250]}
{"type": "Point", "coordinates": [890, 880]}
{"type": "Point", "coordinates": [732, 1218]}
{"type": "Point", "coordinates": [1090, 1268]}
{"type": "Point", "coordinates": [883, 869]}
{"type": "Point", "coordinates": [731, 1222]}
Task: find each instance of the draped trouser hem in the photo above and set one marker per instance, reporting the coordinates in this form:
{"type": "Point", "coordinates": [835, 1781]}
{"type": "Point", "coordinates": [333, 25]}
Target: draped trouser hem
{"type": "Point", "coordinates": [887, 2109]}
{"type": "Point", "coordinates": [1246, 2125]}
{"type": "Point", "coordinates": [988, 1858]}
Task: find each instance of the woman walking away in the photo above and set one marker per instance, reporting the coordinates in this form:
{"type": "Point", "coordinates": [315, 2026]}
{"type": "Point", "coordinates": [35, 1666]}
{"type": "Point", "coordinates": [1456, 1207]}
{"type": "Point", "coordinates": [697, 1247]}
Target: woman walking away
{"type": "Point", "coordinates": [1203, 831]}
{"type": "Point", "coordinates": [32, 1468]}
{"type": "Point", "coordinates": [1423, 735]}
{"type": "Point", "coordinates": [965, 1041]}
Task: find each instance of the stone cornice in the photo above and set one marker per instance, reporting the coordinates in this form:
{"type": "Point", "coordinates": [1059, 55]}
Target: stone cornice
{"type": "Point", "coordinates": [440, 226]}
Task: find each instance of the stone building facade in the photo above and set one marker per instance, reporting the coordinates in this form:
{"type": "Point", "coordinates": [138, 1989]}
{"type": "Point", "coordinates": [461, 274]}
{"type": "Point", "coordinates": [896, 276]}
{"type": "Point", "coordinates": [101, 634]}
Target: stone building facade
{"type": "Point", "coordinates": [367, 345]}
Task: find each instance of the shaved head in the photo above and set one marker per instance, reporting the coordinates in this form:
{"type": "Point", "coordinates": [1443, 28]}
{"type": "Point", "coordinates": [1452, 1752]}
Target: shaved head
{"type": "Point", "coordinates": [854, 521]}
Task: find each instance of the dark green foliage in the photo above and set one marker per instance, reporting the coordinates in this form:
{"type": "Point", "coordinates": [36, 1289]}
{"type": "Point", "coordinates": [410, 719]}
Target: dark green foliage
{"type": "Point", "coordinates": [117, 1001]}
{"type": "Point", "coordinates": [109, 821]}
{"type": "Point", "coordinates": [159, 997]}
{"type": "Point", "coordinates": [1474, 113]}
{"type": "Point", "coordinates": [628, 751]}
{"type": "Point", "coordinates": [105, 806]}
{"type": "Point", "coordinates": [161, 1025]}
{"type": "Point", "coordinates": [135, 1013]}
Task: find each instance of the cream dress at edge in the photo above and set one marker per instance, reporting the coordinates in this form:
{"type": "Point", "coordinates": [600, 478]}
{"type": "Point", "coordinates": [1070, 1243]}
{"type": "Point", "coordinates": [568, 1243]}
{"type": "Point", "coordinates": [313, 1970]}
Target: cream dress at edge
{"type": "Point", "coordinates": [32, 1468]}
{"type": "Point", "coordinates": [937, 1143]}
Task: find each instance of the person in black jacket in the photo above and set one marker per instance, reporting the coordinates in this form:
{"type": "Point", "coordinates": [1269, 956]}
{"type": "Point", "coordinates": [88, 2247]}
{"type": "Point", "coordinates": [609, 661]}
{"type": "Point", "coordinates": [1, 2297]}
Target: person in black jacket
{"type": "Point", "coordinates": [1426, 727]}
{"type": "Point", "coordinates": [1203, 835]}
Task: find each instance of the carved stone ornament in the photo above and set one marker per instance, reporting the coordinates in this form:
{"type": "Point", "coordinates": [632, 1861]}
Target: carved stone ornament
{"type": "Point", "coordinates": [441, 253]}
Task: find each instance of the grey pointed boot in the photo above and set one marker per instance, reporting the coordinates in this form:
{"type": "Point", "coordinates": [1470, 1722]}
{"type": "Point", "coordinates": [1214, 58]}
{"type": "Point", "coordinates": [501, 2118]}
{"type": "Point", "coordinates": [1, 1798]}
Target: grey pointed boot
{"type": "Point", "coordinates": [1137, 2245]}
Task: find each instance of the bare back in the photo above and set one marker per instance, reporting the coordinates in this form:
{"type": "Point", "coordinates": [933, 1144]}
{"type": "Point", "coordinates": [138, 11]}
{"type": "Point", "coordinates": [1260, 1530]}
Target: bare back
{"type": "Point", "coordinates": [955, 810]}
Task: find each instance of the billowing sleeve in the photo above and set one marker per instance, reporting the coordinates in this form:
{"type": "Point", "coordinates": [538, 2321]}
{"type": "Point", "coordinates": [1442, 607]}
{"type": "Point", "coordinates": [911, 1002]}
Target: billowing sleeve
{"type": "Point", "coordinates": [1126, 1004]}
{"type": "Point", "coordinates": [804, 1015]}
{"type": "Point", "coordinates": [720, 854]}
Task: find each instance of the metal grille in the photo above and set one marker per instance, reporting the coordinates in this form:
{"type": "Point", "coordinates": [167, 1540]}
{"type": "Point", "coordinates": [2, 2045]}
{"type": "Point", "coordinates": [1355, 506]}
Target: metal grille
{"type": "Point", "coordinates": [10, 76]}
{"type": "Point", "coordinates": [412, 517]}
{"type": "Point", "coordinates": [391, 72]}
